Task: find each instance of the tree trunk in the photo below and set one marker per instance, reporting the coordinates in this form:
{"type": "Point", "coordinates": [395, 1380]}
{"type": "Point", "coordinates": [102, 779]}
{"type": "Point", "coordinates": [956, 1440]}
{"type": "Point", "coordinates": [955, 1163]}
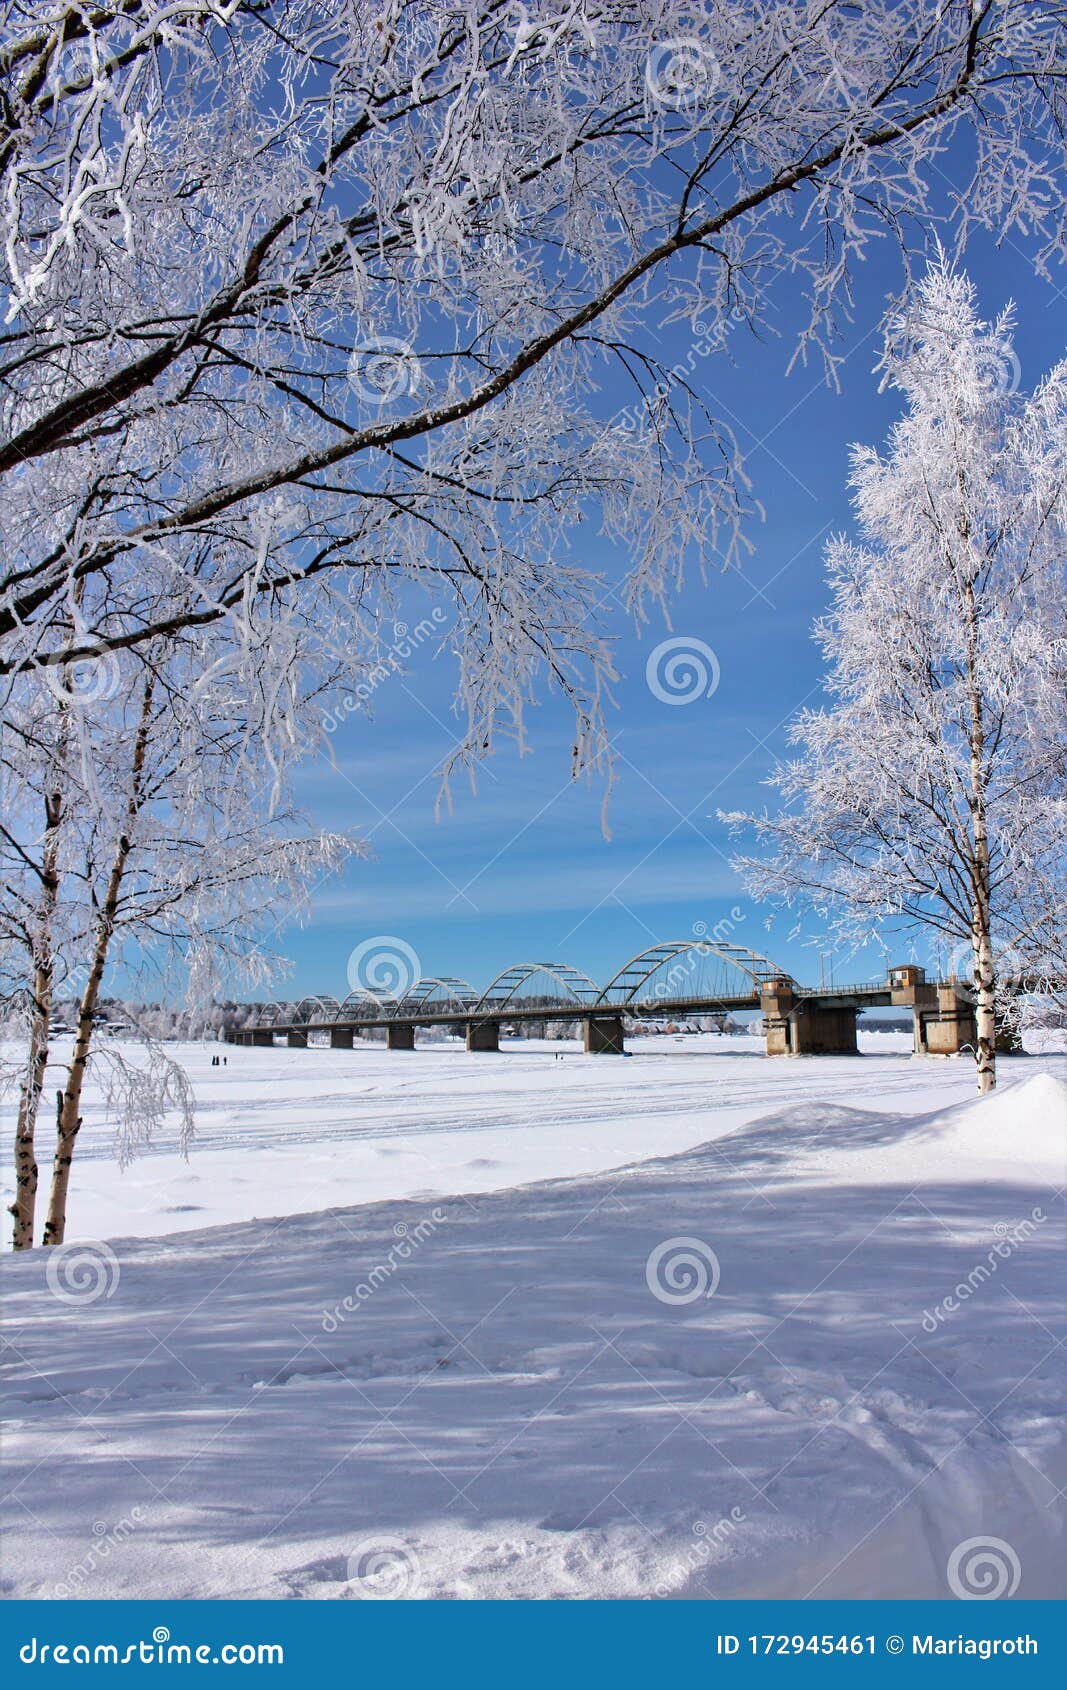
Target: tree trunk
{"type": "Point", "coordinates": [25, 1205]}
{"type": "Point", "coordinates": [68, 1101]}
{"type": "Point", "coordinates": [68, 1117]}
{"type": "Point", "coordinates": [985, 1009]}
{"type": "Point", "coordinates": [981, 938]}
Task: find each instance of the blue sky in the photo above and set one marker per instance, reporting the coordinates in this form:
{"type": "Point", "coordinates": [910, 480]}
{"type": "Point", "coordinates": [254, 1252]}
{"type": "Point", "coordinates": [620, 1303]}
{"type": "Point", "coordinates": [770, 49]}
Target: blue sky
{"type": "Point", "coordinates": [520, 869]}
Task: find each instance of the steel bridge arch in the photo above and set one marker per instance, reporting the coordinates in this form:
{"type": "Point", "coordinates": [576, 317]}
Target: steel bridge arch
{"type": "Point", "coordinates": [501, 990]}
{"type": "Point", "coordinates": [458, 991]}
{"type": "Point", "coordinates": [636, 973]}
{"type": "Point", "coordinates": [305, 1010]}
{"type": "Point", "coordinates": [275, 1014]}
{"type": "Point", "coordinates": [363, 1003]}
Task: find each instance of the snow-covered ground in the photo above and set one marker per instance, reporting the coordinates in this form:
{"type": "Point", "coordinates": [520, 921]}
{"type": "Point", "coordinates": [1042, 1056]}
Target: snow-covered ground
{"type": "Point", "coordinates": [472, 1386]}
{"type": "Point", "coordinates": [281, 1132]}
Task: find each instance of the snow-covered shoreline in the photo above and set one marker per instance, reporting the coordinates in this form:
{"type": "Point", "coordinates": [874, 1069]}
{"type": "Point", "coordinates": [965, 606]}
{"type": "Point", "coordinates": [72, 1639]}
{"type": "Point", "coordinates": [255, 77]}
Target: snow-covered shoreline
{"type": "Point", "coordinates": [506, 1406]}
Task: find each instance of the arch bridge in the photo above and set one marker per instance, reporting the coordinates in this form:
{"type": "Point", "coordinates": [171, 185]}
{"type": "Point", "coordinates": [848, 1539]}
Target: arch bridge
{"type": "Point", "coordinates": [669, 980]}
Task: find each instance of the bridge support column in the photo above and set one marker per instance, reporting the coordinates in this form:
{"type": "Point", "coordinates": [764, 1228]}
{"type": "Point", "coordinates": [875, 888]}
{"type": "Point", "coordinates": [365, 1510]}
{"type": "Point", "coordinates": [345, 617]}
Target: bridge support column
{"type": "Point", "coordinates": [798, 1027]}
{"type": "Point", "coordinates": [823, 1032]}
{"type": "Point", "coordinates": [261, 1036]}
{"type": "Point", "coordinates": [602, 1035]}
{"type": "Point", "coordinates": [483, 1035]}
{"type": "Point", "coordinates": [296, 1038]}
{"type": "Point", "coordinates": [909, 989]}
{"type": "Point", "coordinates": [400, 1036]}
{"type": "Point", "coordinates": [340, 1038]}
{"type": "Point", "coordinates": [947, 1028]}
{"type": "Point", "coordinates": [777, 1003]}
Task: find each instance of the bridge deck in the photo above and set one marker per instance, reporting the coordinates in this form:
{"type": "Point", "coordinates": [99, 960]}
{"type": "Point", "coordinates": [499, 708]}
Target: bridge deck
{"type": "Point", "coordinates": [650, 1009]}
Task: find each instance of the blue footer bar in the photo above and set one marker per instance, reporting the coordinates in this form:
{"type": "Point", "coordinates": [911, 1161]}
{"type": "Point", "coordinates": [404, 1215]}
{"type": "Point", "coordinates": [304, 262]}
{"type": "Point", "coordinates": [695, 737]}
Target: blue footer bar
{"type": "Point", "coordinates": [544, 1645]}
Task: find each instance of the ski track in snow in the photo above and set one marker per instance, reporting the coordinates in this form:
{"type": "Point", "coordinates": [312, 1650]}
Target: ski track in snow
{"type": "Point", "coordinates": [510, 1411]}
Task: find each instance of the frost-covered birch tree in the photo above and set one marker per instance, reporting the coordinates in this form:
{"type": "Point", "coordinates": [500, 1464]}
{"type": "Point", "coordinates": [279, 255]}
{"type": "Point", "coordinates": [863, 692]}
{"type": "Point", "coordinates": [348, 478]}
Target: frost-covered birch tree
{"type": "Point", "coordinates": [171, 855]}
{"type": "Point", "coordinates": [932, 791]}
{"type": "Point", "coordinates": [324, 294]}
{"type": "Point", "coordinates": [35, 823]}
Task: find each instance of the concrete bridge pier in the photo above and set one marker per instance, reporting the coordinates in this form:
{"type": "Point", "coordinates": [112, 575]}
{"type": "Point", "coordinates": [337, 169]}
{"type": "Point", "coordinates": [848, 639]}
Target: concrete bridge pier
{"type": "Point", "coordinates": [261, 1036]}
{"type": "Point", "coordinates": [602, 1035]}
{"type": "Point", "coordinates": [777, 1003]}
{"type": "Point", "coordinates": [399, 1036]}
{"type": "Point", "coordinates": [483, 1035]}
{"type": "Point", "coordinates": [799, 1027]}
{"type": "Point", "coordinates": [943, 1015]}
{"type": "Point", "coordinates": [944, 1027]}
{"type": "Point", "coordinates": [818, 1031]}
{"type": "Point", "coordinates": [340, 1038]}
{"type": "Point", "coordinates": [297, 1038]}
{"type": "Point", "coordinates": [909, 989]}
